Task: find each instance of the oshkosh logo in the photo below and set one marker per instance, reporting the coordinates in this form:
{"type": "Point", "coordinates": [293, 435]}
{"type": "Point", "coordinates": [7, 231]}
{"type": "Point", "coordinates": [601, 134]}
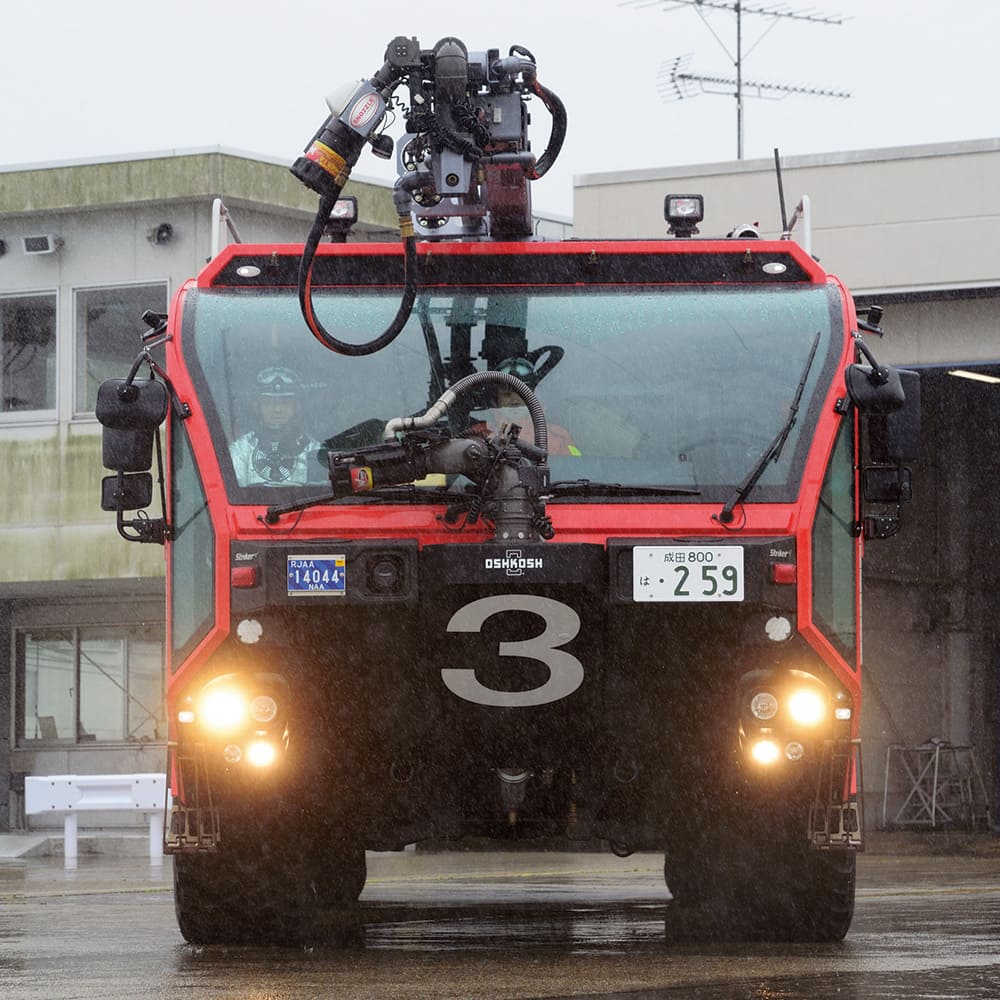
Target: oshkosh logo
{"type": "Point", "coordinates": [514, 563]}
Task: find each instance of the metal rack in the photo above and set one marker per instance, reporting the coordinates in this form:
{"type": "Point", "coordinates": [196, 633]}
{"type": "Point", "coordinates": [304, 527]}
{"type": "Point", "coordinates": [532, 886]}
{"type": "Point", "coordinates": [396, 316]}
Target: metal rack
{"type": "Point", "coordinates": [941, 784]}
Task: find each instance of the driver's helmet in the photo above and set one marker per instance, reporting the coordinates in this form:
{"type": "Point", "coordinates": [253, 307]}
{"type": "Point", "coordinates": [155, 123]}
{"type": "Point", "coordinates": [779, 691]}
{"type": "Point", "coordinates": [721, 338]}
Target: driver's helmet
{"type": "Point", "coordinates": [522, 368]}
{"type": "Point", "coordinates": [278, 381]}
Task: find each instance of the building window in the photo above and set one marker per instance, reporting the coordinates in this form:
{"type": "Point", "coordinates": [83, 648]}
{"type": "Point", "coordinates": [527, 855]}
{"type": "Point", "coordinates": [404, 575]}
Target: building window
{"type": "Point", "coordinates": [108, 334]}
{"type": "Point", "coordinates": [92, 684]}
{"type": "Point", "coordinates": [28, 340]}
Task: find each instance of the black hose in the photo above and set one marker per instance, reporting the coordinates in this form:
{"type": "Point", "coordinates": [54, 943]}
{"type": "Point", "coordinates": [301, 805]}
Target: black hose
{"type": "Point", "coordinates": [555, 108]}
{"type": "Point", "coordinates": [305, 285]}
{"type": "Point", "coordinates": [535, 411]}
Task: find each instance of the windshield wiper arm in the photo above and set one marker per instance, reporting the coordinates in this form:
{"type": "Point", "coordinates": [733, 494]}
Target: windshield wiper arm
{"type": "Point", "coordinates": [585, 487]}
{"type": "Point", "coordinates": [385, 494]}
{"type": "Point", "coordinates": [773, 451]}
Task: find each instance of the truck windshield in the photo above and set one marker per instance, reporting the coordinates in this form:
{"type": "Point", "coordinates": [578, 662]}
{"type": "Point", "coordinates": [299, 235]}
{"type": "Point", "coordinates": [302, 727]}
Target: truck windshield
{"type": "Point", "coordinates": [665, 386]}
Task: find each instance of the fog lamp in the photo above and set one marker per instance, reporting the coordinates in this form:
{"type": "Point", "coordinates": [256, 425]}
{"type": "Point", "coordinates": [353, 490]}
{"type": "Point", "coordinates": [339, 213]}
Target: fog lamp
{"type": "Point", "coordinates": [764, 705]}
{"type": "Point", "coordinates": [263, 708]}
{"type": "Point", "coordinates": [232, 754]}
{"type": "Point", "coordinates": [806, 707]}
{"type": "Point", "coordinates": [765, 751]}
{"type": "Point", "coordinates": [261, 753]}
{"type": "Point", "coordinates": [795, 751]}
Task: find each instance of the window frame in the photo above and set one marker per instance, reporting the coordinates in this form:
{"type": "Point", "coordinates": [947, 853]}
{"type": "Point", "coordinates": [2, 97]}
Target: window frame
{"type": "Point", "coordinates": [49, 414]}
{"type": "Point", "coordinates": [78, 407]}
{"type": "Point", "coordinates": [78, 632]}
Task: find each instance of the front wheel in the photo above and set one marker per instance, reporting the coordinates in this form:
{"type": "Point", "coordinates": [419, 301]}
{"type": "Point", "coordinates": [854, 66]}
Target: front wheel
{"type": "Point", "coordinates": [757, 885]}
{"type": "Point", "coordinates": [285, 891]}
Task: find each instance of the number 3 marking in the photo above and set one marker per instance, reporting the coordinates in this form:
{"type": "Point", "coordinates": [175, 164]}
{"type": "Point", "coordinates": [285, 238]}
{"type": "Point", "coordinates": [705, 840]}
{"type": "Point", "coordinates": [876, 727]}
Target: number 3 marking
{"type": "Point", "coordinates": [562, 625]}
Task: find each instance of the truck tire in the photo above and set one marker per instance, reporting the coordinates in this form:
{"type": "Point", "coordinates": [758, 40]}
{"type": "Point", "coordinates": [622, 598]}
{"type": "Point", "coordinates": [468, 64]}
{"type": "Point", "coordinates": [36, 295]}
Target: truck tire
{"type": "Point", "coordinates": [752, 886]}
{"type": "Point", "coordinates": [284, 893]}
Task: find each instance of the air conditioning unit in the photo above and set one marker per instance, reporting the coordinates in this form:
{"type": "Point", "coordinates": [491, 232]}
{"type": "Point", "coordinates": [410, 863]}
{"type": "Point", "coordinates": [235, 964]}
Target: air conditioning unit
{"type": "Point", "coordinates": [47, 243]}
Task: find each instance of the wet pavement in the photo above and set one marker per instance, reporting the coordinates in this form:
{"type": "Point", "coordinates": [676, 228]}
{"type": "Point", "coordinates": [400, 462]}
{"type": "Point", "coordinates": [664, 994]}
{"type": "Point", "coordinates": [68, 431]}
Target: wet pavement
{"type": "Point", "coordinates": [506, 925]}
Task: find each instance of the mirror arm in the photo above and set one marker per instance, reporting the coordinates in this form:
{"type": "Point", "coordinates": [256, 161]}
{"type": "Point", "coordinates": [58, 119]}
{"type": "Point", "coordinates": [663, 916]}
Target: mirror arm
{"type": "Point", "coordinates": [880, 373]}
{"type": "Point", "coordinates": [147, 529]}
{"type": "Point", "coordinates": [127, 391]}
{"type": "Point", "coordinates": [161, 480]}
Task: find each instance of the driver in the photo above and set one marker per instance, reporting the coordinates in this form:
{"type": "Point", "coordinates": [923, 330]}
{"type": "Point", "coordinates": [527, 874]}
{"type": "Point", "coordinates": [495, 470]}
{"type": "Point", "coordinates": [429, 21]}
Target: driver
{"type": "Point", "coordinates": [275, 452]}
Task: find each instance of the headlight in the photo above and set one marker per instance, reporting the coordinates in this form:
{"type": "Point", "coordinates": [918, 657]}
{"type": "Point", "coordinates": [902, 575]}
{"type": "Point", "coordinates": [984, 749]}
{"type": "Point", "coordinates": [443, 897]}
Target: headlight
{"type": "Point", "coordinates": [223, 709]}
{"type": "Point", "coordinates": [764, 705]}
{"type": "Point", "coordinates": [807, 707]}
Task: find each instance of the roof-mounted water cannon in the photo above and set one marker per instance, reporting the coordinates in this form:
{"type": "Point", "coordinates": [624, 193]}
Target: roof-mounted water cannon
{"type": "Point", "coordinates": [465, 169]}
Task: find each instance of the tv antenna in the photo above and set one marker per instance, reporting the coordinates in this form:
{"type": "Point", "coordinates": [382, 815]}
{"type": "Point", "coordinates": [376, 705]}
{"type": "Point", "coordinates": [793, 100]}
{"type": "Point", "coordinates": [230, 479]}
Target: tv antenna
{"type": "Point", "coordinates": [677, 82]}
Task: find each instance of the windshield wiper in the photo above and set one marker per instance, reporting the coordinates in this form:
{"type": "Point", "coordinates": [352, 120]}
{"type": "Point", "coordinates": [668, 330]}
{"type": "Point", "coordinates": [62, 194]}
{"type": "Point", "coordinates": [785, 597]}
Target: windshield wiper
{"type": "Point", "coordinates": [381, 494]}
{"type": "Point", "coordinates": [587, 488]}
{"type": "Point", "coordinates": [773, 451]}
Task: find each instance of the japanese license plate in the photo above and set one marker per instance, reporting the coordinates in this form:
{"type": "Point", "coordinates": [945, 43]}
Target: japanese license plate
{"type": "Point", "coordinates": [687, 573]}
{"type": "Point", "coordinates": [317, 575]}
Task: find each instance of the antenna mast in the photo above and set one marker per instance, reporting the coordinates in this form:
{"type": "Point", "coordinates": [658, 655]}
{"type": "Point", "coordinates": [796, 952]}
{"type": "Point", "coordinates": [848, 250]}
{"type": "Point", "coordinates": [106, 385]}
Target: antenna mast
{"type": "Point", "coordinates": [677, 82]}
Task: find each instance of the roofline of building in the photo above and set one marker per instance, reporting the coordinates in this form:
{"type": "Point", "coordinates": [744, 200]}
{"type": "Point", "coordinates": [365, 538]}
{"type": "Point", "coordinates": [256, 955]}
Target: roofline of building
{"type": "Point", "coordinates": [297, 197]}
{"type": "Point", "coordinates": [160, 154]}
{"type": "Point", "coordinates": [843, 158]}
{"type": "Point", "coordinates": [205, 173]}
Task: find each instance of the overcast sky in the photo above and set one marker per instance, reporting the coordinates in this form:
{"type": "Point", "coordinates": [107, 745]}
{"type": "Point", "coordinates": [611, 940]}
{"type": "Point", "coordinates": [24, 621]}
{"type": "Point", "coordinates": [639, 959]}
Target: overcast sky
{"type": "Point", "coordinates": [85, 80]}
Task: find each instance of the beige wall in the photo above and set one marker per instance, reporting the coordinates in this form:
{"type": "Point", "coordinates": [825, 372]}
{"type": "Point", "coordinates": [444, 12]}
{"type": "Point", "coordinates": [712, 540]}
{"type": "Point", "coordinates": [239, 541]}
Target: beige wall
{"type": "Point", "coordinates": [905, 219]}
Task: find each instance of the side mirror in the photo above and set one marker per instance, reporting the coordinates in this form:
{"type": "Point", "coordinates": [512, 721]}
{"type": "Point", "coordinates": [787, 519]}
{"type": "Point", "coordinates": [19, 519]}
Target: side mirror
{"type": "Point", "coordinates": [127, 491]}
{"type": "Point", "coordinates": [892, 437]}
{"type": "Point", "coordinates": [895, 437]}
{"type": "Point", "coordinates": [875, 389]}
{"type": "Point", "coordinates": [130, 412]}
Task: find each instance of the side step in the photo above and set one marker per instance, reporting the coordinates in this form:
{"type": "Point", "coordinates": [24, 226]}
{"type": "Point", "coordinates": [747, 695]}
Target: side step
{"type": "Point", "coordinates": [836, 816]}
{"type": "Point", "coordinates": [193, 825]}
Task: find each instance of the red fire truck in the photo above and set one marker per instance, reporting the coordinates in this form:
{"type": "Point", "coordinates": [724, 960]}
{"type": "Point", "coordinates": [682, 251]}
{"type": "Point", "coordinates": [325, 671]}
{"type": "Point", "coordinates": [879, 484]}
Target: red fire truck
{"type": "Point", "coordinates": [478, 534]}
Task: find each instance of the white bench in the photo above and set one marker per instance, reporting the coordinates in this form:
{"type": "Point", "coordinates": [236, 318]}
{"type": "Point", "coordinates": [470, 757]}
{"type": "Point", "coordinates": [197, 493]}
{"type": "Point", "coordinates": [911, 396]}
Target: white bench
{"type": "Point", "coordinates": [72, 794]}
